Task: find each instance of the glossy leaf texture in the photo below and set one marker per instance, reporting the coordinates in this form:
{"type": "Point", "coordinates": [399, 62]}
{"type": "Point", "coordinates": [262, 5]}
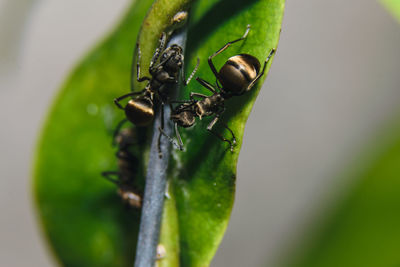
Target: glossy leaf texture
{"type": "Point", "coordinates": [80, 212]}
{"type": "Point", "coordinates": [362, 229]}
{"type": "Point", "coordinates": [393, 6]}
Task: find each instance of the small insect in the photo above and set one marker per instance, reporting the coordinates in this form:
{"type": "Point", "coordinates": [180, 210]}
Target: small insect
{"type": "Point", "coordinates": [237, 76]}
{"type": "Point", "coordinates": [177, 21]}
{"type": "Point", "coordinates": [140, 110]}
{"type": "Point", "coordinates": [161, 252]}
{"type": "Point", "coordinates": [128, 166]}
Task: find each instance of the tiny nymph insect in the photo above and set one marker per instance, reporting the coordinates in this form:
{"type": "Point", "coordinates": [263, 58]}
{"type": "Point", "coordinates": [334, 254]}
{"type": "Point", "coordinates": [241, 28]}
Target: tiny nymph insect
{"type": "Point", "coordinates": [236, 77]}
{"type": "Point", "coordinates": [128, 166]}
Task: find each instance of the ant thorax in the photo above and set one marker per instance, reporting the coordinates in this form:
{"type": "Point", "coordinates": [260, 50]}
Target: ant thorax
{"type": "Point", "coordinates": [160, 77]}
{"type": "Point", "coordinates": [167, 73]}
{"type": "Point", "coordinates": [174, 64]}
{"type": "Point", "coordinates": [172, 59]}
{"type": "Point", "coordinates": [209, 105]}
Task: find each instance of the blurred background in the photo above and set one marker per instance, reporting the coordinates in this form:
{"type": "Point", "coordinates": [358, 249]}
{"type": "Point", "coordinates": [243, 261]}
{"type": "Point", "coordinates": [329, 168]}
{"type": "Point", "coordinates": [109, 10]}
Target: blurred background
{"type": "Point", "coordinates": [332, 88]}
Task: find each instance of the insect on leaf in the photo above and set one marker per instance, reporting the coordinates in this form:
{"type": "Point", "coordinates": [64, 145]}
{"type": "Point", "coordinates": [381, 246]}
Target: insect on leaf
{"type": "Point", "coordinates": [81, 214]}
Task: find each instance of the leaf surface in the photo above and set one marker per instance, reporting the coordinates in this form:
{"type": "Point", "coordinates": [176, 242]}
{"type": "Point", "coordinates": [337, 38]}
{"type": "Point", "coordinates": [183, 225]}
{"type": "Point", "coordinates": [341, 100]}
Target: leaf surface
{"type": "Point", "coordinates": [81, 214]}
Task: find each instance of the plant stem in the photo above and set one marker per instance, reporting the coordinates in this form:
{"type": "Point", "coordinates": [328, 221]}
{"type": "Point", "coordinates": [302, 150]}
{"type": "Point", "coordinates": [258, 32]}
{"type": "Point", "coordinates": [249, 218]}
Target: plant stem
{"type": "Point", "coordinates": [156, 180]}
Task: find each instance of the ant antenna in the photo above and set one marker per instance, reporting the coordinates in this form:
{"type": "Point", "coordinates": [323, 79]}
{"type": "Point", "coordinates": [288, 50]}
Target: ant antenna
{"type": "Point", "coordinates": [172, 141]}
{"type": "Point", "coordinates": [193, 72]}
{"type": "Point", "coordinates": [270, 54]}
{"type": "Point", "coordinates": [246, 32]}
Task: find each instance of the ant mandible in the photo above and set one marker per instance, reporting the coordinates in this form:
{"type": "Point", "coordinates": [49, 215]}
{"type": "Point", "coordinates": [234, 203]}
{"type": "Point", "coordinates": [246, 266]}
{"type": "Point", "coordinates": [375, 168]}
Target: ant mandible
{"type": "Point", "coordinates": [237, 76]}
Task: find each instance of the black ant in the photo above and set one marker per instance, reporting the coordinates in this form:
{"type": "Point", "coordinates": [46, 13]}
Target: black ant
{"type": "Point", "coordinates": [237, 76]}
{"type": "Point", "coordinates": [140, 109]}
{"type": "Point", "coordinates": [127, 165]}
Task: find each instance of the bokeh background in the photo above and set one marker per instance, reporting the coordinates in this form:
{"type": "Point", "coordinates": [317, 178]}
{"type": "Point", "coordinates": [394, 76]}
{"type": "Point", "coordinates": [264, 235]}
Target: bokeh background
{"type": "Point", "coordinates": [332, 89]}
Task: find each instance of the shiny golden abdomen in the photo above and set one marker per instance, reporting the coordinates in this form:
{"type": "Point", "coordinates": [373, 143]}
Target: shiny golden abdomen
{"type": "Point", "coordinates": [238, 72]}
{"type": "Point", "coordinates": [140, 111]}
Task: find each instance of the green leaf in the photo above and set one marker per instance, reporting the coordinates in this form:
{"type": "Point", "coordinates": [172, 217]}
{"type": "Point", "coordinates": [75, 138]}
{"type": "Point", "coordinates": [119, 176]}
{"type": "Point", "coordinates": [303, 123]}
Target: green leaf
{"type": "Point", "coordinates": [363, 228]}
{"type": "Point", "coordinates": [81, 214]}
{"type": "Point", "coordinates": [204, 175]}
{"type": "Point", "coordinates": [393, 6]}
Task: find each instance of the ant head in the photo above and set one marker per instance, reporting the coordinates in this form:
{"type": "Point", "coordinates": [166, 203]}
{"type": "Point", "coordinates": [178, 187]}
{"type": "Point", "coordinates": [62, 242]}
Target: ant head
{"type": "Point", "coordinates": [184, 118]}
{"type": "Point", "coordinates": [140, 111]}
{"type": "Point", "coordinates": [238, 72]}
{"type": "Point", "coordinates": [174, 58]}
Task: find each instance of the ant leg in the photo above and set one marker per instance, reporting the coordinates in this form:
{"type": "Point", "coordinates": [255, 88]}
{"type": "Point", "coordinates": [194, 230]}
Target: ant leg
{"type": "Point", "coordinates": [159, 134]}
{"type": "Point", "coordinates": [218, 85]}
{"type": "Point", "coordinates": [262, 72]}
{"type": "Point", "coordinates": [213, 69]}
{"type": "Point", "coordinates": [117, 130]}
{"type": "Point", "coordinates": [116, 100]}
{"type": "Point", "coordinates": [229, 129]}
{"type": "Point", "coordinates": [226, 126]}
{"type": "Point", "coordinates": [192, 95]}
{"type": "Point", "coordinates": [108, 175]}
{"type": "Point", "coordinates": [138, 66]}
{"type": "Point", "coordinates": [171, 140]}
{"type": "Point", "coordinates": [180, 102]}
{"type": "Point", "coordinates": [158, 51]}
{"type": "Point", "coordinates": [179, 137]}
{"type": "Point", "coordinates": [186, 82]}
{"type": "Point", "coordinates": [211, 125]}
{"type": "Point", "coordinates": [206, 85]}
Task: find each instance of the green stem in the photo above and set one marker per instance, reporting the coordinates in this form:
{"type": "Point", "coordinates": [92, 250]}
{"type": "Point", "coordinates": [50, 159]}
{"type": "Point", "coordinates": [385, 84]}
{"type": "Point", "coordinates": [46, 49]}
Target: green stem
{"type": "Point", "coordinates": [156, 179]}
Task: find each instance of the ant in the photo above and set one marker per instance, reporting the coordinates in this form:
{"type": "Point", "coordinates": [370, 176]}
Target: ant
{"type": "Point", "coordinates": [140, 109]}
{"type": "Point", "coordinates": [237, 76]}
{"type": "Point", "coordinates": [128, 165]}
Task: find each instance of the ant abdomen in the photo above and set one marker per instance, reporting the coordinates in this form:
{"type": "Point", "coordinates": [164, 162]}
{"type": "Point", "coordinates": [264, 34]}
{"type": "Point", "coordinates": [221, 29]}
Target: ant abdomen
{"type": "Point", "coordinates": [238, 72]}
{"type": "Point", "coordinates": [140, 111]}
